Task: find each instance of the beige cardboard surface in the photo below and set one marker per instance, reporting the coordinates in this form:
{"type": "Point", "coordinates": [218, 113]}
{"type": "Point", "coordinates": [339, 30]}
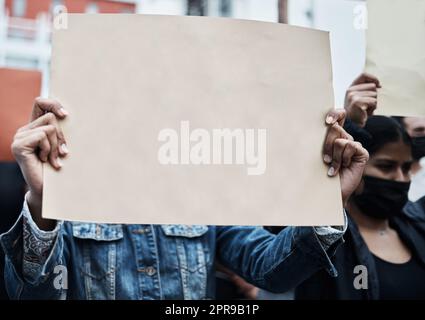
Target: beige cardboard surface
{"type": "Point", "coordinates": [125, 78]}
{"type": "Point", "coordinates": [396, 54]}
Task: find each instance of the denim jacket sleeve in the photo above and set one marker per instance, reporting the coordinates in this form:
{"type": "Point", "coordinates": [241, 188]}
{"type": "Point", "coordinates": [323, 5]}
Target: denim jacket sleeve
{"type": "Point", "coordinates": [31, 259]}
{"type": "Point", "coordinates": [279, 262]}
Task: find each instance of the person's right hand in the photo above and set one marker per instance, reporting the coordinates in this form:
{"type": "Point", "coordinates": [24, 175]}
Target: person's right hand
{"type": "Point", "coordinates": [361, 98]}
{"type": "Point", "coordinates": [40, 141]}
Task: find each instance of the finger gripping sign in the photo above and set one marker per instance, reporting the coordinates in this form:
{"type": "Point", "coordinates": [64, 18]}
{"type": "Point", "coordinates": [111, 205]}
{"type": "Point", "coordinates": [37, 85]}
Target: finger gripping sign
{"type": "Point", "coordinates": [191, 120]}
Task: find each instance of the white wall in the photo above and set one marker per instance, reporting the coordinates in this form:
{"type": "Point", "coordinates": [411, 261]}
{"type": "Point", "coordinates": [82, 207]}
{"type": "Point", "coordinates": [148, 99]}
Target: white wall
{"type": "Point", "coordinates": [347, 43]}
{"type": "Point", "coordinates": [299, 12]}
{"type": "Point", "coordinates": [263, 10]}
{"type": "Point", "coordinates": [173, 7]}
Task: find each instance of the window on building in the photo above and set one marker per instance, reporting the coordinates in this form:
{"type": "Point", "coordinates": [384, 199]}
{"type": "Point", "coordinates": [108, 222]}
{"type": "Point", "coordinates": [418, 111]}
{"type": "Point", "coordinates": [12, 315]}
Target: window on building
{"type": "Point", "coordinates": [19, 8]}
{"type": "Point", "coordinates": [92, 8]}
{"type": "Point", "coordinates": [56, 5]}
{"type": "Point", "coordinates": [197, 7]}
{"type": "Point", "coordinates": [21, 63]}
{"type": "Point", "coordinates": [226, 8]}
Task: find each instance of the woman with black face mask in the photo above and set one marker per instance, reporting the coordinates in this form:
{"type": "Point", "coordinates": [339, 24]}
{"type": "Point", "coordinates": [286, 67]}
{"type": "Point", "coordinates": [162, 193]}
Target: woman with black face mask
{"type": "Point", "coordinates": [383, 256]}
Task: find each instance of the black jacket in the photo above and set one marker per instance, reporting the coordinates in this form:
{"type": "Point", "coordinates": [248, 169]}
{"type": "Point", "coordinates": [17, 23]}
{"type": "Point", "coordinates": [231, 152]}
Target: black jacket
{"type": "Point", "coordinates": [12, 189]}
{"type": "Point", "coordinates": [354, 251]}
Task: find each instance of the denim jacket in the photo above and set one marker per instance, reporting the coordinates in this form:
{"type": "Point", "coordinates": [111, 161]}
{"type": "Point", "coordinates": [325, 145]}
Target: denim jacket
{"type": "Point", "coordinates": [114, 261]}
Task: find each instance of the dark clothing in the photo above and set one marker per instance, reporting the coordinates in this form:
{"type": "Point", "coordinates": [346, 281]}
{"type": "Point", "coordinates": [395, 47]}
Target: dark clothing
{"type": "Point", "coordinates": [416, 211]}
{"type": "Point", "coordinates": [11, 197]}
{"type": "Point", "coordinates": [401, 281]}
{"type": "Point", "coordinates": [354, 252]}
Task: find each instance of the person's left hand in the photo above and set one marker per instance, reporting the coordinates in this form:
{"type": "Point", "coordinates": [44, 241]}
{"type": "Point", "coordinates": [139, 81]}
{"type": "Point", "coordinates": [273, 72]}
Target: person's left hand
{"type": "Point", "coordinates": [361, 98]}
{"type": "Point", "coordinates": [344, 156]}
{"type": "Point", "coordinates": [248, 290]}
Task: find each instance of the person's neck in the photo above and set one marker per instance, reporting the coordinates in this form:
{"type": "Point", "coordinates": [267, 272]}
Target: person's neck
{"type": "Point", "coordinates": [365, 222]}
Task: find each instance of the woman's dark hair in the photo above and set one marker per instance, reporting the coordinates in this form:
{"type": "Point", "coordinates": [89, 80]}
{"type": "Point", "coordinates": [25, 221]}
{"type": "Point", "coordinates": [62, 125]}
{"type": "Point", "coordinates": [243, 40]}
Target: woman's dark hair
{"type": "Point", "coordinates": [378, 131]}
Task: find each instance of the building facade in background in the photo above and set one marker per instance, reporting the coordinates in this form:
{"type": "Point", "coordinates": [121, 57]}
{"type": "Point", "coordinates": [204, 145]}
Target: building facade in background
{"type": "Point", "coordinates": [25, 26]}
{"type": "Point", "coordinates": [25, 30]}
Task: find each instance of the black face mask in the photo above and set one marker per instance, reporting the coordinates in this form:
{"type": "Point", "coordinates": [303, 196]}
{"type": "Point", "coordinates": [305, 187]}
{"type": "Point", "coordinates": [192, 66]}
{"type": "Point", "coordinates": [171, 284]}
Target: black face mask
{"type": "Point", "coordinates": [418, 147]}
{"type": "Point", "coordinates": [381, 198]}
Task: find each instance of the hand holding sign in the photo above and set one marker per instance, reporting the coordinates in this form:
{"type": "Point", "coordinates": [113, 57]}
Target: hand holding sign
{"type": "Point", "coordinates": [42, 141]}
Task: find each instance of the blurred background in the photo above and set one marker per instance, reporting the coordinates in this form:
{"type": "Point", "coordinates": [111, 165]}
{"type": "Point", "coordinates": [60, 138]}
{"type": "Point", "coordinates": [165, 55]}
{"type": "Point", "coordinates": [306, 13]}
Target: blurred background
{"type": "Point", "coordinates": [25, 49]}
{"type": "Point", "coordinates": [25, 27]}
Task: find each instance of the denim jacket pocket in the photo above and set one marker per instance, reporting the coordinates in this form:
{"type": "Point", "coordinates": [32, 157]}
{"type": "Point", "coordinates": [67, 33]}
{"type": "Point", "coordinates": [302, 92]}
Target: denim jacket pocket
{"type": "Point", "coordinates": [193, 257]}
{"type": "Point", "coordinates": [192, 252]}
{"type": "Point", "coordinates": [99, 263]}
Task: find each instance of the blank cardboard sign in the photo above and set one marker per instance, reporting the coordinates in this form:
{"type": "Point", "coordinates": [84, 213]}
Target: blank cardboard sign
{"type": "Point", "coordinates": [150, 99]}
{"type": "Point", "coordinates": [18, 88]}
{"type": "Point", "coordinates": [396, 55]}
